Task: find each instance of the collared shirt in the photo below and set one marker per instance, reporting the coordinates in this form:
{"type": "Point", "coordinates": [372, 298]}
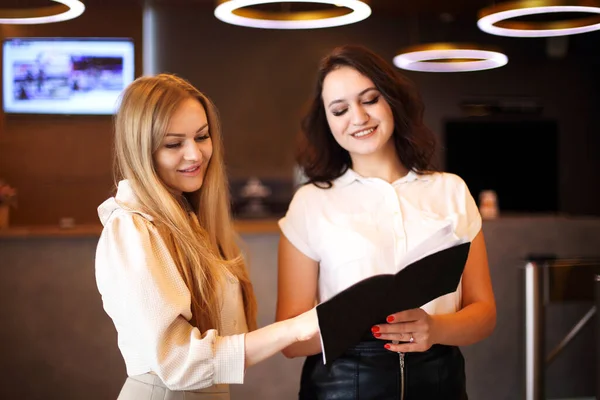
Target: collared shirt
{"type": "Point", "coordinates": [365, 226]}
{"type": "Point", "coordinates": [150, 305]}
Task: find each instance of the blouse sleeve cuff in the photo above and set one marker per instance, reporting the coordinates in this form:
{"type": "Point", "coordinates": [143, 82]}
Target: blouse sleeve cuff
{"type": "Point", "coordinates": [474, 228]}
{"type": "Point", "coordinates": [230, 359]}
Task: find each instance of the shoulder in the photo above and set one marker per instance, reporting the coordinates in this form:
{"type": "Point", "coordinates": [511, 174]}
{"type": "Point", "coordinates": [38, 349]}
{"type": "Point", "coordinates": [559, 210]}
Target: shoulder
{"type": "Point", "coordinates": [444, 180]}
{"type": "Point", "coordinates": [446, 187]}
{"type": "Point", "coordinates": [310, 193]}
{"type": "Point", "coordinates": [126, 225]}
{"type": "Point", "coordinates": [130, 241]}
{"type": "Point", "coordinates": [307, 201]}
{"type": "Point", "coordinates": [124, 204]}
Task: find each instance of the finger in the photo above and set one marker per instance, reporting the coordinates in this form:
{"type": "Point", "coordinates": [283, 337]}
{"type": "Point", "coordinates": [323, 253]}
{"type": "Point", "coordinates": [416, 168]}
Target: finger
{"type": "Point", "coordinates": [401, 327]}
{"type": "Point", "coordinates": [405, 316]}
{"type": "Point", "coordinates": [406, 347]}
{"type": "Point", "coordinates": [401, 337]}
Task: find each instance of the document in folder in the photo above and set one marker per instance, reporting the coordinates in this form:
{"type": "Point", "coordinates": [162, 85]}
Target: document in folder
{"type": "Point", "coordinates": [346, 317]}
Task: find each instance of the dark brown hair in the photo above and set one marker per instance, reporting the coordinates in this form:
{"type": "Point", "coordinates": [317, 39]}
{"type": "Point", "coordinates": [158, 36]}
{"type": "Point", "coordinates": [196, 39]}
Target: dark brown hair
{"type": "Point", "coordinates": [322, 159]}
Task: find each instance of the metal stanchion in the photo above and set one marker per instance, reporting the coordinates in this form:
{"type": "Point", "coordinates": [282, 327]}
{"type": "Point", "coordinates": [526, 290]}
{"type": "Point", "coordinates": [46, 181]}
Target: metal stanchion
{"type": "Point", "coordinates": [597, 294]}
{"type": "Point", "coordinates": [534, 333]}
{"type": "Point", "coordinates": [543, 277]}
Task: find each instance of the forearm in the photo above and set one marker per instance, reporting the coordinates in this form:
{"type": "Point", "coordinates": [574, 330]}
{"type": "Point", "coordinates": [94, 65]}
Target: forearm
{"type": "Point", "coordinates": [303, 349]}
{"type": "Point", "coordinates": [265, 342]}
{"type": "Point", "coordinates": [296, 292]}
{"type": "Point", "coordinates": [471, 324]}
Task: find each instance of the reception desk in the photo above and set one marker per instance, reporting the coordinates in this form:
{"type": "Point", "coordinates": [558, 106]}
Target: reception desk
{"type": "Point", "coordinates": [57, 342]}
{"type": "Point", "coordinates": [252, 226]}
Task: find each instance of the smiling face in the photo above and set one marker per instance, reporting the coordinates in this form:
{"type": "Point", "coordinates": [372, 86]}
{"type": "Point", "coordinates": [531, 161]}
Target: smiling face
{"type": "Point", "coordinates": [359, 117]}
{"type": "Point", "coordinates": [185, 151]}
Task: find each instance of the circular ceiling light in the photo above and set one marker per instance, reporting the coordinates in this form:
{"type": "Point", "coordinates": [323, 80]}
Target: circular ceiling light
{"type": "Point", "coordinates": [67, 9]}
{"type": "Point", "coordinates": [493, 19]}
{"type": "Point", "coordinates": [449, 57]}
{"type": "Point", "coordinates": [342, 12]}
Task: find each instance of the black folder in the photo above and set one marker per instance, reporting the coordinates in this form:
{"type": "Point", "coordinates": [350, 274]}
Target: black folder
{"type": "Point", "coordinates": [346, 317]}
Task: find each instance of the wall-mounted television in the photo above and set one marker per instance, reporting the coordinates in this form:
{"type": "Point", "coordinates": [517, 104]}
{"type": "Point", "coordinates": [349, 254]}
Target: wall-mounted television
{"type": "Point", "coordinates": [65, 75]}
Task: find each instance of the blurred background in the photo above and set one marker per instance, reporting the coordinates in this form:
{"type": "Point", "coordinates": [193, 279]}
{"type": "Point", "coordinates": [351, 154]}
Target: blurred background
{"type": "Point", "coordinates": [529, 131]}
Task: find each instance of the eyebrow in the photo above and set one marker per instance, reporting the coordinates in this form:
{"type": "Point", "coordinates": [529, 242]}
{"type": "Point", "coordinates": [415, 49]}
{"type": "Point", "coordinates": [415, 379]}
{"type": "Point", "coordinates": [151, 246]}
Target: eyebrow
{"type": "Point", "coordinates": [183, 134]}
{"type": "Point", "coordinates": [360, 94]}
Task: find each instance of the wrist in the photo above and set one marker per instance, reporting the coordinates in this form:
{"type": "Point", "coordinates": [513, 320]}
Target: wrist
{"type": "Point", "coordinates": [293, 326]}
{"type": "Point", "coordinates": [435, 329]}
{"type": "Point", "coordinates": [305, 325]}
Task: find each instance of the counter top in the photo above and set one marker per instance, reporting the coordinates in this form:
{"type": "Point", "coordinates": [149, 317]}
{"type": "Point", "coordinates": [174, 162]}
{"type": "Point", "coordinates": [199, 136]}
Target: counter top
{"type": "Point", "coordinates": [269, 226]}
{"type": "Point", "coordinates": [242, 226]}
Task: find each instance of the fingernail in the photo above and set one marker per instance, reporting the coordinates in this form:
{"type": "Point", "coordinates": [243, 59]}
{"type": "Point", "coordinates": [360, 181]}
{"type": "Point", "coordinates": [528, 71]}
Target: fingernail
{"type": "Point", "coordinates": [377, 334]}
{"type": "Point", "coordinates": [375, 329]}
{"type": "Point", "coordinates": [387, 346]}
{"type": "Point", "coordinates": [390, 319]}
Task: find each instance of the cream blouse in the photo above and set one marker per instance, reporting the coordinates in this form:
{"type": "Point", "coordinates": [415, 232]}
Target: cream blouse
{"type": "Point", "coordinates": [150, 305]}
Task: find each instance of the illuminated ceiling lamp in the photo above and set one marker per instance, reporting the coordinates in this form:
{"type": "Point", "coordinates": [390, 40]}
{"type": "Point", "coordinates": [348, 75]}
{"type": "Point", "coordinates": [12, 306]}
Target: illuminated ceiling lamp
{"type": "Point", "coordinates": [494, 19]}
{"type": "Point", "coordinates": [341, 12]}
{"type": "Point", "coordinates": [67, 9]}
{"type": "Point", "coordinates": [449, 57]}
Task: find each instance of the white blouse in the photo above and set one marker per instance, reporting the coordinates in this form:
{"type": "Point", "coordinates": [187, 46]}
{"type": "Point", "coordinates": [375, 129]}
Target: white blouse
{"type": "Point", "coordinates": [365, 226]}
{"type": "Point", "coordinates": [150, 305]}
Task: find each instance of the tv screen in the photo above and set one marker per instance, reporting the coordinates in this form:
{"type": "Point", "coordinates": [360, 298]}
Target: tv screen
{"type": "Point", "coordinates": [65, 75]}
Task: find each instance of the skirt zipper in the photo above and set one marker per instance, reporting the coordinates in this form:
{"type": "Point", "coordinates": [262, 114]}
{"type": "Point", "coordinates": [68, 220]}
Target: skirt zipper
{"type": "Point", "coordinates": [401, 357]}
{"type": "Point", "coordinates": [402, 382]}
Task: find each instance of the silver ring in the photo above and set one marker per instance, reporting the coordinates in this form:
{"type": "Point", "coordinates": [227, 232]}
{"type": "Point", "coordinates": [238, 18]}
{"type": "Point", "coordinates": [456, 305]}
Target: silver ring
{"type": "Point", "coordinates": [412, 339]}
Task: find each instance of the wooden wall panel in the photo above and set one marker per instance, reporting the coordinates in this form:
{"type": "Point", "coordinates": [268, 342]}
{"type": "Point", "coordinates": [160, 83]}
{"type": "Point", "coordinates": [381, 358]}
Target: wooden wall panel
{"type": "Point", "coordinates": [61, 165]}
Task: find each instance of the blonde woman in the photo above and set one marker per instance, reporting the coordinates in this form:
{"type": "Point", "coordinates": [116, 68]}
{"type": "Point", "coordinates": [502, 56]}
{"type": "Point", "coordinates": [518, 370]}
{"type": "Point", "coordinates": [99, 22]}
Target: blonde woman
{"type": "Point", "coordinates": [170, 273]}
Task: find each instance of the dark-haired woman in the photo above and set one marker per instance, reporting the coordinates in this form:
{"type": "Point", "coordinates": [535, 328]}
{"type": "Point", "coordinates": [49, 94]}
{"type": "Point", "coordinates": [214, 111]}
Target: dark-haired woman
{"type": "Point", "coordinates": [372, 196]}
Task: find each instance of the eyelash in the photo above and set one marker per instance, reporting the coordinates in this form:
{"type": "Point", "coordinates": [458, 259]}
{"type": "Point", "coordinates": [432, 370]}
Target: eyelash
{"type": "Point", "coordinates": [373, 100]}
{"type": "Point", "coordinates": [342, 112]}
{"type": "Point", "coordinates": [197, 139]}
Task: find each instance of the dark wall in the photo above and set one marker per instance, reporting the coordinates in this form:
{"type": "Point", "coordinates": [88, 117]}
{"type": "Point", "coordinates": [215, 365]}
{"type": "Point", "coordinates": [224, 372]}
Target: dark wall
{"type": "Point", "coordinates": [262, 79]}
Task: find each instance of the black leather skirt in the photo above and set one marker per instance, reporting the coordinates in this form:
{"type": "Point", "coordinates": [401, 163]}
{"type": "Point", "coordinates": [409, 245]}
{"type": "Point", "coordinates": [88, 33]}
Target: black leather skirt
{"type": "Point", "coordinates": [370, 372]}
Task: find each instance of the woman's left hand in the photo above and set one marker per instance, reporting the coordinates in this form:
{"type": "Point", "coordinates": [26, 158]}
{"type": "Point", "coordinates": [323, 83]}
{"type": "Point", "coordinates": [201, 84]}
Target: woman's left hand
{"type": "Point", "coordinates": [413, 327]}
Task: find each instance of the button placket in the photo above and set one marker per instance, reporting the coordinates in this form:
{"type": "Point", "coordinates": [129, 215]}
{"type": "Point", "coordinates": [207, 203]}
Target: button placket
{"type": "Point", "coordinates": [399, 235]}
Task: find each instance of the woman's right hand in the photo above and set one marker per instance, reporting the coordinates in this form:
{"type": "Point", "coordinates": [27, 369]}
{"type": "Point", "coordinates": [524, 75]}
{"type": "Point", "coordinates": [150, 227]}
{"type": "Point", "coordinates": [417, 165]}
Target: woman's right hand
{"type": "Point", "coordinates": [306, 325]}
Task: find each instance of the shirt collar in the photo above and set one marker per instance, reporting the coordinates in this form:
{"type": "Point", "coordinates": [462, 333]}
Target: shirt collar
{"type": "Point", "coordinates": [127, 199]}
{"type": "Point", "coordinates": [351, 176]}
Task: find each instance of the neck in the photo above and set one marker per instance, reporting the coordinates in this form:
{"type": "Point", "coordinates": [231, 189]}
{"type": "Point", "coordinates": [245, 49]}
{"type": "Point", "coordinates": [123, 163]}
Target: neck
{"type": "Point", "coordinates": [385, 165]}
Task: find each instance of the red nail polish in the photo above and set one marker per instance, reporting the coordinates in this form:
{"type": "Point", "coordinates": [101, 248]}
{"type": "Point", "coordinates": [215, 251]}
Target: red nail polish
{"type": "Point", "coordinates": [375, 329]}
{"type": "Point", "coordinates": [377, 334]}
{"type": "Point", "coordinates": [390, 319]}
{"type": "Point", "coordinates": [387, 346]}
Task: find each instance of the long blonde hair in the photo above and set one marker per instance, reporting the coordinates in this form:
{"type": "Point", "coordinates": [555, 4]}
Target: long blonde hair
{"type": "Point", "coordinates": [201, 250]}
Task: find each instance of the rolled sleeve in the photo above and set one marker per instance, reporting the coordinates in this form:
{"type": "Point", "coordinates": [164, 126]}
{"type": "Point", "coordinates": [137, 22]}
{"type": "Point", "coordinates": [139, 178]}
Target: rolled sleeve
{"type": "Point", "coordinates": [227, 367]}
{"type": "Point", "coordinates": [472, 219]}
{"type": "Point", "coordinates": [294, 225]}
